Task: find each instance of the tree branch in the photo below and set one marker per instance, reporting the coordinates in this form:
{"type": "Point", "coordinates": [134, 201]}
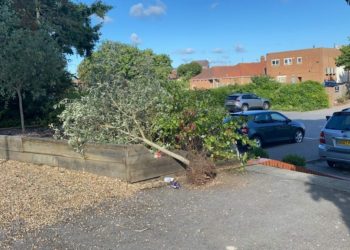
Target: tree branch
{"type": "Point", "coordinates": [154, 145]}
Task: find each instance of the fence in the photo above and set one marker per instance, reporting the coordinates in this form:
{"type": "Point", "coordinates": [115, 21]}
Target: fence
{"type": "Point", "coordinates": [128, 162]}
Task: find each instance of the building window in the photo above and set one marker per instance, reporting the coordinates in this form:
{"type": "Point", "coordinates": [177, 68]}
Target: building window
{"type": "Point", "coordinates": [281, 79]}
{"type": "Point", "coordinates": [294, 79]}
{"type": "Point", "coordinates": [330, 71]}
{"type": "Point", "coordinates": [275, 62]}
{"type": "Point", "coordinates": [299, 60]}
{"type": "Point", "coordinates": [287, 61]}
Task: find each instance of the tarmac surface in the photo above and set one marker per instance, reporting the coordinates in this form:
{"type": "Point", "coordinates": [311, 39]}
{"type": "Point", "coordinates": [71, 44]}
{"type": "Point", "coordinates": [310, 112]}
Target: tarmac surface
{"type": "Point", "coordinates": [262, 208]}
{"type": "Point", "coordinates": [314, 122]}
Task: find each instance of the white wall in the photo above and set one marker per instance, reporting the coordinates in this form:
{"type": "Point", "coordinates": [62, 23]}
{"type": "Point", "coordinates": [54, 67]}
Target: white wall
{"type": "Point", "coordinates": [342, 75]}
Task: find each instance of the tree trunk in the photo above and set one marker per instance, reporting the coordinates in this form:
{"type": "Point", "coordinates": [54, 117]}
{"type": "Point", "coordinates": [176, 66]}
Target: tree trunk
{"type": "Point", "coordinates": [21, 108]}
{"type": "Point", "coordinates": [37, 11]}
{"type": "Point", "coordinates": [165, 151]}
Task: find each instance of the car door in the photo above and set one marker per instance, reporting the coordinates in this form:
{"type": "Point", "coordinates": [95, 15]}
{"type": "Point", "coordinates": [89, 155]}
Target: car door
{"type": "Point", "coordinates": [283, 130]}
{"type": "Point", "coordinates": [264, 126]}
{"type": "Point", "coordinates": [256, 100]}
{"type": "Point", "coordinates": [246, 99]}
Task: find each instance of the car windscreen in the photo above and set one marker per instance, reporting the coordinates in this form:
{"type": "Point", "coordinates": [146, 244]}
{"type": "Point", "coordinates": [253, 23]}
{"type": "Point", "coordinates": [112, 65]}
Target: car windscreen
{"type": "Point", "coordinates": [232, 97]}
{"type": "Point", "coordinates": [242, 117]}
{"type": "Point", "coordinates": [339, 121]}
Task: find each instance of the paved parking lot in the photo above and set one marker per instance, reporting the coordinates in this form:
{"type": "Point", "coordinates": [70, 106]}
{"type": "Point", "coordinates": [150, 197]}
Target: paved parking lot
{"type": "Point", "coordinates": [314, 121]}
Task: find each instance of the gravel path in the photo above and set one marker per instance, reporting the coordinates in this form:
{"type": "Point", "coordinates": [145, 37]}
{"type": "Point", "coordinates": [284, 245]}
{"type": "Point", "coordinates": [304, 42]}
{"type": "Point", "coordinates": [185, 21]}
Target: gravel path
{"type": "Point", "coordinates": [35, 196]}
{"type": "Point", "coordinates": [252, 210]}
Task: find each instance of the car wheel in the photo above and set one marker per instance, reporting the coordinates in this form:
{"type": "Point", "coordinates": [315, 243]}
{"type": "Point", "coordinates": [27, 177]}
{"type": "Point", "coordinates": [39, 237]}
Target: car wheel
{"type": "Point", "coordinates": [258, 141]}
{"type": "Point", "coordinates": [298, 136]}
{"type": "Point", "coordinates": [331, 163]}
{"type": "Point", "coordinates": [245, 107]}
{"type": "Point", "coordinates": [266, 105]}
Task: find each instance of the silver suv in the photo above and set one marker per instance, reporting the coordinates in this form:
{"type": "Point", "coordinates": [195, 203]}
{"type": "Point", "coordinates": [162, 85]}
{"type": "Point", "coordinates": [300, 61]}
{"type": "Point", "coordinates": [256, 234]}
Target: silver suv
{"type": "Point", "coordinates": [245, 101]}
{"type": "Point", "coordinates": [334, 144]}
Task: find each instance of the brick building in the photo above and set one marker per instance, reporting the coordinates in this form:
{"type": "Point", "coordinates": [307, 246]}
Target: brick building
{"type": "Point", "coordinates": [225, 75]}
{"type": "Point", "coordinates": [294, 66]}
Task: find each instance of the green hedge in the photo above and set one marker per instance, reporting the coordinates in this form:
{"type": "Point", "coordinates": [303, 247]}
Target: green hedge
{"type": "Point", "coordinates": [295, 160]}
{"type": "Point", "coordinates": [304, 96]}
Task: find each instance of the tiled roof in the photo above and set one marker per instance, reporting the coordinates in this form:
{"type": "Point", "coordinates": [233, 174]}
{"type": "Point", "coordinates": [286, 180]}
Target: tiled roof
{"type": "Point", "coordinates": [241, 69]}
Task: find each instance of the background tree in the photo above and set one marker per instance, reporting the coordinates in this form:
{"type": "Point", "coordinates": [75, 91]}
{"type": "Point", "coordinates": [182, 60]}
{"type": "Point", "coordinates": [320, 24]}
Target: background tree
{"type": "Point", "coordinates": [49, 29]}
{"type": "Point", "coordinates": [69, 23]}
{"type": "Point", "coordinates": [30, 61]}
{"type": "Point", "coordinates": [119, 61]}
{"type": "Point", "coordinates": [344, 58]}
{"type": "Point", "coordinates": [189, 70]}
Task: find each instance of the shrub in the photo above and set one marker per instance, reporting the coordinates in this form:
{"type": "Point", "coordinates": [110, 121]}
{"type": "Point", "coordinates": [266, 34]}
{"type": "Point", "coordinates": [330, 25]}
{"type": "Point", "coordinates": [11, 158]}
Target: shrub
{"type": "Point", "coordinates": [193, 122]}
{"type": "Point", "coordinates": [304, 96]}
{"type": "Point", "coordinates": [256, 152]}
{"type": "Point", "coordinates": [295, 160]}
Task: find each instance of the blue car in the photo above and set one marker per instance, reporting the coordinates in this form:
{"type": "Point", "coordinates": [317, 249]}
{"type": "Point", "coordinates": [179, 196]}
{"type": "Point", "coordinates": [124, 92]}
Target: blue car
{"type": "Point", "coordinates": [265, 126]}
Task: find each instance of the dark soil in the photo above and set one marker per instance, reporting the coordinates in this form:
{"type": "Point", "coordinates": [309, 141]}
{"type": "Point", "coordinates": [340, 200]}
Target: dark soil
{"type": "Point", "coordinates": [29, 132]}
{"type": "Point", "coordinates": [201, 169]}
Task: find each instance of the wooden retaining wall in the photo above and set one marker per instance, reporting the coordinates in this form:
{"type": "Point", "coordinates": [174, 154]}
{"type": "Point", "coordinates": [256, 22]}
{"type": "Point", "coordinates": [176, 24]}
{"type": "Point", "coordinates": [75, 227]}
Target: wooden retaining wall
{"type": "Point", "coordinates": [128, 162]}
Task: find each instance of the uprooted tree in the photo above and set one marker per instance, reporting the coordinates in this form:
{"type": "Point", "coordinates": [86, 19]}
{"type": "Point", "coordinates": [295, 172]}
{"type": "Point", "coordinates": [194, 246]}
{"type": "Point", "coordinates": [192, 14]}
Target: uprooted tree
{"type": "Point", "coordinates": [116, 112]}
{"type": "Point", "coordinates": [121, 105]}
{"type": "Point", "coordinates": [134, 104]}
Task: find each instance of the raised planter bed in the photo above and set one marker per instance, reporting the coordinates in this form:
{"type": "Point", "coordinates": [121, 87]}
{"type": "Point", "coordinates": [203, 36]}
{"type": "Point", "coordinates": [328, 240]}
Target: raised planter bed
{"type": "Point", "coordinates": [132, 163]}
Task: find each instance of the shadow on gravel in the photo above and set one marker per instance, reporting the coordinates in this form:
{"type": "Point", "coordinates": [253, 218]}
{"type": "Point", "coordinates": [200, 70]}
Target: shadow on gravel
{"type": "Point", "coordinates": [341, 199]}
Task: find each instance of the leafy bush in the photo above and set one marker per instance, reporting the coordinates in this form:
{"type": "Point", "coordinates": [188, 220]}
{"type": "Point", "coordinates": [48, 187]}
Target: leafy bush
{"type": "Point", "coordinates": [304, 96]}
{"type": "Point", "coordinates": [256, 152]}
{"type": "Point", "coordinates": [193, 122]}
{"type": "Point", "coordinates": [295, 160]}
{"type": "Point", "coordinates": [189, 70]}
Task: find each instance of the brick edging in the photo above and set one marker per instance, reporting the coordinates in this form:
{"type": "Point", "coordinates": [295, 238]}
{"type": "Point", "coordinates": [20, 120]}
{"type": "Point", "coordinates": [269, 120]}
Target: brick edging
{"type": "Point", "coordinates": [288, 166]}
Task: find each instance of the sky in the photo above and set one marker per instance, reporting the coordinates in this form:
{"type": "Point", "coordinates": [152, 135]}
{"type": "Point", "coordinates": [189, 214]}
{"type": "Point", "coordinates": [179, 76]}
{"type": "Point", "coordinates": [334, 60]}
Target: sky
{"type": "Point", "coordinates": [224, 32]}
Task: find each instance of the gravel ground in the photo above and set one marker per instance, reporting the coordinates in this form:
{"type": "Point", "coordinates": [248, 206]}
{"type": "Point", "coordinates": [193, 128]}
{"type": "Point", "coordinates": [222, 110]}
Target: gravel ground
{"type": "Point", "coordinates": [34, 196]}
{"type": "Point", "coordinates": [251, 210]}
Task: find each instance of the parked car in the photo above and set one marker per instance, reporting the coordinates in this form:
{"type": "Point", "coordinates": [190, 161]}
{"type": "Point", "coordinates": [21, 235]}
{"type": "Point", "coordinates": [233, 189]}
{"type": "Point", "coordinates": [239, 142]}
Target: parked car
{"type": "Point", "coordinates": [330, 84]}
{"type": "Point", "coordinates": [246, 101]}
{"type": "Point", "coordinates": [334, 144]}
{"type": "Point", "coordinates": [270, 126]}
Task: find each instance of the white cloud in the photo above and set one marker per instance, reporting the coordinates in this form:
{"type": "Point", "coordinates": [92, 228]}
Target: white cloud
{"type": "Point", "coordinates": [240, 49]}
{"type": "Point", "coordinates": [186, 51]}
{"type": "Point", "coordinates": [218, 51]}
{"type": "Point", "coordinates": [214, 5]}
{"type": "Point", "coordinates": [135, 39]}
{"type": "Point", "coordinates": [187, 60]}
{"type": "Point", "coordinates": [139, 10]}
{"type": "Point", "coordinates": [105, 19]}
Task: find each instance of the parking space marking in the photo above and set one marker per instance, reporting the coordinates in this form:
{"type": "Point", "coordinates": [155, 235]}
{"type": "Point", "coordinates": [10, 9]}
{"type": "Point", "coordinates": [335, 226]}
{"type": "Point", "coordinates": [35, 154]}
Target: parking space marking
{"type": "Point", "coordinates": [309, 138]}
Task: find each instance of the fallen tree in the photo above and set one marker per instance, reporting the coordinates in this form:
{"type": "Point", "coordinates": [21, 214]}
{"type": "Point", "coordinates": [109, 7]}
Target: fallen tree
{"type": "Point", "coordinates": [134, 108]}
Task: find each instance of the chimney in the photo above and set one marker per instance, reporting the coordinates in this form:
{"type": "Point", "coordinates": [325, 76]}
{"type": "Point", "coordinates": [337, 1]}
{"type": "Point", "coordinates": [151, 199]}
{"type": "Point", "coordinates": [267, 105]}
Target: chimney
{"type": "Point", "coordinates": [262, 59]}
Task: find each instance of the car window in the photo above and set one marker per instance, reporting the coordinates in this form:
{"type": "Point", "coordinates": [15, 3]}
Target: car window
{"type": "Point", "coordinates": [246, 97]}
{"type": "Point", "coordinates": [339, 121]}
{"type": "Point", "coordinates": [278, 117]}
{"type": "Point", "coordinates": [262, 118]}
{"type": "Point", "coordinates": [232, 97]}
{"type": "Point", "coordinates": [242, 117]}
{"type": "Point", "coordinates": [254, 96]}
